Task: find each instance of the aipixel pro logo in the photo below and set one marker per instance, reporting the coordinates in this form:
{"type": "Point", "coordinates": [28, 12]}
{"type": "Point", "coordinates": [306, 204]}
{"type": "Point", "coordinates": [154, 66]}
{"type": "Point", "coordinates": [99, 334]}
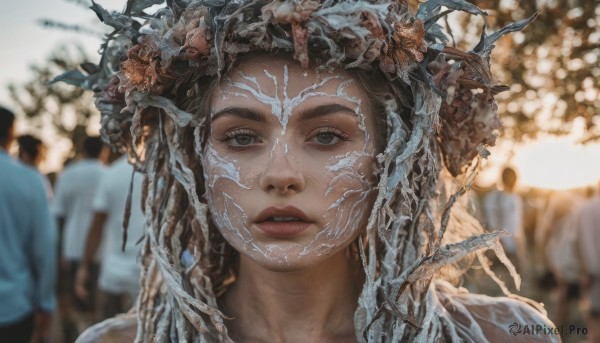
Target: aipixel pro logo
{"type": "Point", "coordinates": [515, 328]}
{"type": "Point", "coordinates": [539, 329]}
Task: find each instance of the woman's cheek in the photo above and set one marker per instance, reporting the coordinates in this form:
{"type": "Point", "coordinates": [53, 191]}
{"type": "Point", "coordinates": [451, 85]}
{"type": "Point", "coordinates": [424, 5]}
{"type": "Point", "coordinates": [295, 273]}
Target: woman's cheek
{"type": "Point", "coordinates": [351, 184]}
{"type": "Point", "coordinates": [225, 183]}
{"type": "Point", "coordinates": [347, 190]}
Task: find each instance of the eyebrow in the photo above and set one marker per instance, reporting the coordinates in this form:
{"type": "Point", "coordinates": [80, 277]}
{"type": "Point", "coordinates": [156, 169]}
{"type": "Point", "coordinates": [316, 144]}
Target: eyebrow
{"type": "Point", "coordinates": [310, 113]}
{"type": "Point", "coordinates": [241, 112]}
{"type": "Point", "coordinates": [319, 111]}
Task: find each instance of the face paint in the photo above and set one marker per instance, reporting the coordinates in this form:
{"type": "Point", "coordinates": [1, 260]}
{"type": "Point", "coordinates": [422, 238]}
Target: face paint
{"type": "Point", "coordinates": [282, 105]}
{"type": "Point", "coordinates": [322, 167]}
{"type": "Point", "coordinates": [221, 168]}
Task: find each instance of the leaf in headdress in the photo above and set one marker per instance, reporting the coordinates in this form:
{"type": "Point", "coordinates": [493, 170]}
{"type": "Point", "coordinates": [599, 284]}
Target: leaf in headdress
{"type": "Point", "coordinates": [177, 6]}
{"type": "Point", "coordinates": [431, 8]}
{"type": "Point", "coordinates": [431, 21]}
{"type": "Point", "coordinates": [447, 254]}
{"type": "Point", "coordinates": [487, 42]}
{"type": "Point", "coordinates": [223, 20]}
{"type": "Point", "coordinates": [180, 117]}
{"type": "Point", "coordinates": [214, 3]}
{"type": "Point", "coordinates": [483, 152]}
{"type": "Point", "coordinates": [90, 68]}
{"type": "Point", "coordinates": [72, 77]}
{"type": "Point", "coordinates": [115, 20]}
{"type": "Point", "coordinates": [137, 7]}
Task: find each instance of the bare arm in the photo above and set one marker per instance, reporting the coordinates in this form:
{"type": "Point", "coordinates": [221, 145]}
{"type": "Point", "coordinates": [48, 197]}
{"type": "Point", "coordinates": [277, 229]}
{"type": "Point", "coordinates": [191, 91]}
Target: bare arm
{"type": "Point", "coordinates": [92, 243]}
{"type": "Point", "coordinates": [43, 250]}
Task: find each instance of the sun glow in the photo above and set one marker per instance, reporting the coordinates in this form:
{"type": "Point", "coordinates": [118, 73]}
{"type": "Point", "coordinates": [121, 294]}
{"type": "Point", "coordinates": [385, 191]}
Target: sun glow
{"type": "Point", "coordinates": [548, 162]}
{"type": "Point", "coordinates": [558, 163]}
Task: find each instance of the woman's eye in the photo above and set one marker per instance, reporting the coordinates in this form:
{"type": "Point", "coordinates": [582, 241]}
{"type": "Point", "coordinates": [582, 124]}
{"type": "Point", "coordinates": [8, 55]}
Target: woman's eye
{"type": "Point", "coordinates": [325, 138]}
{"type": "Point", "coordinates": [244, 139]}
{"type": "Point", "coordinates": [241, 138]}
{"type": "Point", "coordinates": [329, 136]}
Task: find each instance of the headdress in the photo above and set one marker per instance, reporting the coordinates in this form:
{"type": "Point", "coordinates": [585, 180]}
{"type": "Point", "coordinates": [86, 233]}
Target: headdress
{"type": "Point", "coordinates": [152, 64]}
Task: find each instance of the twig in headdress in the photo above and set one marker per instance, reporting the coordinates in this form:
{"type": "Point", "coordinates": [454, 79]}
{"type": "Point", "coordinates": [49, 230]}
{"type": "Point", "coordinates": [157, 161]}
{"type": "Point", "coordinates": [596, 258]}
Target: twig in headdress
{"type": "Point", "coordinates": [127, 214]}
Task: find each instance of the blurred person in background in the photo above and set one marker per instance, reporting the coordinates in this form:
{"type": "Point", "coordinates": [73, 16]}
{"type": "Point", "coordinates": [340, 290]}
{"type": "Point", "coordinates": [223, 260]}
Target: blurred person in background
{"type": "Point", "coordinates": [587, 226]}
{"type": "Point", "coordinates": [32, 152]}
{"type": "Point", "coordinates": [503, 210]}
{"type": "Point", "coordinates": [559, 244]}
{"type": "Point", "coordinates": [27, 248]}
{"type": "Point", "coordinates": [75, 190]}
{"type": "Point", "coordinates": [118, 283]}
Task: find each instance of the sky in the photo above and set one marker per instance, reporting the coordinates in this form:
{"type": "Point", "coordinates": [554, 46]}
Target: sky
{"type": "Point", "coordinates": [25, 42]}
{"type": "Point", "coordinates": [549, 162]}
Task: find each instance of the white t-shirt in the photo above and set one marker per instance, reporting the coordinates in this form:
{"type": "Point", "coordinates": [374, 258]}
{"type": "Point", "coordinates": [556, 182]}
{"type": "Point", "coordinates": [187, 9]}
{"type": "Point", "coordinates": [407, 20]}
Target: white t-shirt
{"type": "Point", "coordinates": [587, 225]}
{"type": "Point", "coordinates": [561, 249]}
{"type": "Point", "coordinates": [75, 190]}
{"type": "Point", "coordinates": [504, 211]}
{"type": "Point", "coordinates": [119, 270]}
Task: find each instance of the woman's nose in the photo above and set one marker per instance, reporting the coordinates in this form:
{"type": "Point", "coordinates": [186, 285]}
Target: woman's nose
{"type": "Point", "coordinates": [282, 174]}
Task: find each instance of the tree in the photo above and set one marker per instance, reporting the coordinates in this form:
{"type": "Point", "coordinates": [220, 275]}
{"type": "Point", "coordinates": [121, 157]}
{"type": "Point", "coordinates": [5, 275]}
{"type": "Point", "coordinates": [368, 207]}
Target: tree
{"type": "Point", "coordinates": [552, 66]}
{"type": "Point", "coordinates": [68, 109]}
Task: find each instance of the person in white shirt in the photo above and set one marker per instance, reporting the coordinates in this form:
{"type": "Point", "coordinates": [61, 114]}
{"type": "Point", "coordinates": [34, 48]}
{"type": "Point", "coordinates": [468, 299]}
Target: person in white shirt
{"type": "Point", "coordinates": [75, 190]}
{"type": "Point", "coordinates": [118, 282]}
{"type": "Point", "coordinates": [587, 226]}
{"type": "Point", "coordinates": [503, 210]}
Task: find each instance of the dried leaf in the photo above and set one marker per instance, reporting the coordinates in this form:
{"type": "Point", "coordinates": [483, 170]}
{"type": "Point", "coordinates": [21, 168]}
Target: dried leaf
{"type": "Point", "coordinates": [73, 77]}
{"type": "Point", "coordinates": [486, 43]}
{"type": "Point", "coordinates": [431, 8]}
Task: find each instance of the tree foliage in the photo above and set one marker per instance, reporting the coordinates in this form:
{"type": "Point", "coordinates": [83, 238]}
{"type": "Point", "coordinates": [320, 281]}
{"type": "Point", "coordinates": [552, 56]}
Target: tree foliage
{"type": "Point", "coordinates": [552, 67]}
{"type": "Point", "coordinates": [67, 109]}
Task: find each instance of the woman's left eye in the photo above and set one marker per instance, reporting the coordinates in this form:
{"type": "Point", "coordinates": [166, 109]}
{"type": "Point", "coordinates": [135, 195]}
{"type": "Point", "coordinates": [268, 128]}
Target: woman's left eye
{"type": "Point", "coordinates": [243, 139]}
{"type": "Point", "coordinates": [328, 136]}
{"type": "Point", "coordinates": [240, 138]}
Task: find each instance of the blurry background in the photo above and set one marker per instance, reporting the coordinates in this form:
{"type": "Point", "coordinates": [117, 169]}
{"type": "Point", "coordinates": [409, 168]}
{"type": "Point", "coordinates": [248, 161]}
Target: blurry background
{"type": "Point", "coordinates": [39, 40]}
{"type": "Point", "coordinates": [551, 116]}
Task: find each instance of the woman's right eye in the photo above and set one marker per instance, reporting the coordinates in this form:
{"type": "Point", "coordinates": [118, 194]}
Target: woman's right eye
{"type": "Point", "coordinates": [241, 138]}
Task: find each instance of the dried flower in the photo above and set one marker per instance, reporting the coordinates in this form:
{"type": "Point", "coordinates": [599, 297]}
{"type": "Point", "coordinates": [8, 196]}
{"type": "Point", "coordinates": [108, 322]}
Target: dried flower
{"type": "Point", "coordinates": [289, 11]}
{"type": "Point", "coordinates": [294, 12]}
{"type": "Point", "coordinates": [406, 47]}
{"type": "Point", "coordinates": [139, 71]}
{"type": "Point", "coordinates": [111, 92]}
{"type": "Point", "coordinates": [197, 41]}
{"type": "Point", "coordinates": [468, 114]}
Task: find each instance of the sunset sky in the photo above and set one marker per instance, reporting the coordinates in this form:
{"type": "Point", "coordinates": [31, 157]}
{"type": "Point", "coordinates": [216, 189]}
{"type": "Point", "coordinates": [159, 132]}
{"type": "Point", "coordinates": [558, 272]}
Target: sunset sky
{"type": "Point", "coordinates": [548, 163]}
{"type": "Point", "coordinates": [24, 41]}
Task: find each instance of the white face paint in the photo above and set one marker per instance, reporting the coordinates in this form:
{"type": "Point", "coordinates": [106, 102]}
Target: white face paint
{"type": "Point", "coordinates": [281, 105]}
{"type": "Point", "coordinates": [289, 163]}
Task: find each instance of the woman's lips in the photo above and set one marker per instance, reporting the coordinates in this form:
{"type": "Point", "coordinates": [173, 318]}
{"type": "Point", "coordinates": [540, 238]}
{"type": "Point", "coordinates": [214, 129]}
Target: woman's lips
{"type": "Point", "coordinates": [282, 221]}
{"type": "Point", "coordinates": [283, 229]}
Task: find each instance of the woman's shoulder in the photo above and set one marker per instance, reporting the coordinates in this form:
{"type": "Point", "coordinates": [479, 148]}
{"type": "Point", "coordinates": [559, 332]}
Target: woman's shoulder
{"type": "Point", "coordinates": [496, 319]}
{"type": "Point", "coordinates": [122, 328]}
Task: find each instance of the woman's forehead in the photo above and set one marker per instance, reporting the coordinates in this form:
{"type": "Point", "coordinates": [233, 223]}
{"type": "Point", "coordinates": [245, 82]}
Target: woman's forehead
{"type": "Point", "coordinates": [281, 77]}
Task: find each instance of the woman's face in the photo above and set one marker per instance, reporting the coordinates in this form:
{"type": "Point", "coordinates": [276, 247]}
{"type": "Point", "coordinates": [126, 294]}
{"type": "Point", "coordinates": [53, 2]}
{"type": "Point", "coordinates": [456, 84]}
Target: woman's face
{"type": "Point", "coordinates": [289, 164]}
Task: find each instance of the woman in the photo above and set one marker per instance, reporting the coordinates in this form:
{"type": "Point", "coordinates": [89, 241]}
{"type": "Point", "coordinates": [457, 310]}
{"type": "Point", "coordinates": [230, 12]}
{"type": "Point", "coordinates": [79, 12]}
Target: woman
{"type": "Point", "coordinates": [292, 153]}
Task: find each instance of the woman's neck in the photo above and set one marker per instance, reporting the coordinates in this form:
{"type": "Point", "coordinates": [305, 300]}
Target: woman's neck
{"type": "Point", "coordinates": [313, 305]}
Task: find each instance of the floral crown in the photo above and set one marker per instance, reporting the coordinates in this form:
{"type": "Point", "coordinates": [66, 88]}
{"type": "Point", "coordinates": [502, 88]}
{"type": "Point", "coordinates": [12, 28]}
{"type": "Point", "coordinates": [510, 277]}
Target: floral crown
{"type": "Point", "coordinates": [148, 57]}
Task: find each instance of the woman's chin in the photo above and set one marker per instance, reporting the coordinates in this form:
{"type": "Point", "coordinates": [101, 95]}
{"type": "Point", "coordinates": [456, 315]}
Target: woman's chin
{"type": "Point", "coordinates": [288, 257]}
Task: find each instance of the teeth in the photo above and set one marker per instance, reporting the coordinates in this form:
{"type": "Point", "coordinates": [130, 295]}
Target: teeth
{"type": "Point", "coordinates": [285, 219]}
